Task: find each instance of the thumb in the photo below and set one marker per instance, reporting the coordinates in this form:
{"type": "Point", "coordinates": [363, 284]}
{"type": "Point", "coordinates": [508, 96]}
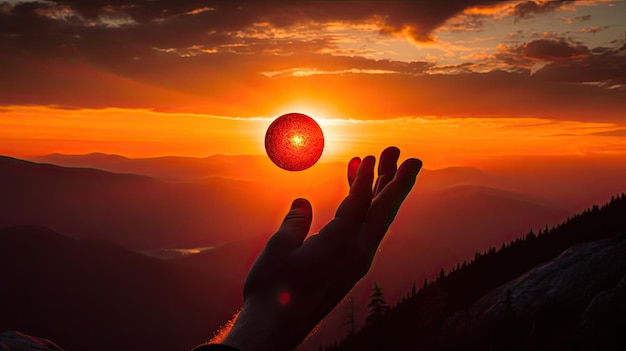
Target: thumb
{"type": "Point", "coordinates": [294, 228]}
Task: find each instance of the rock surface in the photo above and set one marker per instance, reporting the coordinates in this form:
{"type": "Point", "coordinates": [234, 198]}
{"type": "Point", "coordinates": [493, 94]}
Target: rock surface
{"type": "Point", "coordinates": [16, 341]}
{"type": "Point", "coordinates": [603, 323]}
{"type": "Point", "coordinates": [581, 293]}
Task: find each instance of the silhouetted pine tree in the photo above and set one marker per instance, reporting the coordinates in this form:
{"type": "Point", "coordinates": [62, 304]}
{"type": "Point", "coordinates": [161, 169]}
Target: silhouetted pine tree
{"type": "Point", "coordinates": [377, 305]}
{"type": "Point", "coordinates": [350, 321]}
{"type": "Point", "coordinates": [417, 324]}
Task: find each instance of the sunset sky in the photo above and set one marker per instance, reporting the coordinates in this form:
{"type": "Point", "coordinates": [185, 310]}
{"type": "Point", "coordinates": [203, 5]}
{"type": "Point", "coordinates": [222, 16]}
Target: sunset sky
{"type": "Point", "coordinates": [448, 81]}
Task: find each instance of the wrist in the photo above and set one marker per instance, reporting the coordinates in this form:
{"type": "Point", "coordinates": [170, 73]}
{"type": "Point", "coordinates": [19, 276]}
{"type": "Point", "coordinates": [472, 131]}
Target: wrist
{"type": "Point", "coordinates": [264, 324]}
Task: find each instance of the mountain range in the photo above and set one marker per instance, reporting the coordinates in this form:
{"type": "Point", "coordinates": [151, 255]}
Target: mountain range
{"type": "Point", "coordinates": [230, 205]}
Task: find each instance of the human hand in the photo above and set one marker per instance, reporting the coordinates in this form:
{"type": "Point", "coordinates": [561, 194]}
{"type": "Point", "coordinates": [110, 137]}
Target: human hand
{"type": "Point", "coordinates": [295, 283]}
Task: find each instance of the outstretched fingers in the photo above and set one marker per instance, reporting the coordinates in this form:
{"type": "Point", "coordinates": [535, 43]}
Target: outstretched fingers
{"type": "Point", "coordinates": [386, 205]}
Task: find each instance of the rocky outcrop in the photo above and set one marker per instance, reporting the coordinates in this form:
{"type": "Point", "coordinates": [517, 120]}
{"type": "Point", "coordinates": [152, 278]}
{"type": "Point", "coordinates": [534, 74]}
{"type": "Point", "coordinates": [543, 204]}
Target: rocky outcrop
{"type": "Point", "coordinates": [603, 323]}
{"type": "Point", "coordinates": [16, 341]}
{"type": "Point", "coordinates": [580, 296]}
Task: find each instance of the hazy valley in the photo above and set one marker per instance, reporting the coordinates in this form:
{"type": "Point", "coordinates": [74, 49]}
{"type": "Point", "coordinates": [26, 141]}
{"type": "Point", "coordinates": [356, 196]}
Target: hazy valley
{"type": "Point", "coordinates": [233, 204]}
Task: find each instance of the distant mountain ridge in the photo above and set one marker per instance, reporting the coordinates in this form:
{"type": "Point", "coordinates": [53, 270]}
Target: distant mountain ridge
{"type": "Point", "coordinates": [94, 295]}
{"type": "Point", "coordinates": [136, 211]}
{"type": "Point", "coordinates": [574, 181]}
{"type": "Point", "coordinates": [181, 168]}
{"type": "Point", "coordinates": [143, 213]}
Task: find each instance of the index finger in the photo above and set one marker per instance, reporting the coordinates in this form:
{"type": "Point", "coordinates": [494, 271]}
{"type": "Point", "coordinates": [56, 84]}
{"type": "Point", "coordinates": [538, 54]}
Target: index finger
{"type": "Point", "coordinates": [385, 206]}
{"type": "Point", "coordinates": [355, 205]}
{"type": "Point", "coordinates": [353, 166]}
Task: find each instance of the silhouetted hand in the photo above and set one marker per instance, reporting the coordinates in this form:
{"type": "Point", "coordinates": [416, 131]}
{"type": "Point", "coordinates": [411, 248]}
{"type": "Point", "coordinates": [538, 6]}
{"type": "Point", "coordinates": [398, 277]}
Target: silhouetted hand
{"type": "Point", "coordinates": [295, 283]}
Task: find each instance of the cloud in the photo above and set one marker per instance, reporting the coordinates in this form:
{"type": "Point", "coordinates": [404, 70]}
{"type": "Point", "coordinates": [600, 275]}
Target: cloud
{"type": "Point", "coordinates": [133, 28]}
{"type": "Point", "coordinates": [561, 60]}
{"type": "Point", "coordinates": [328, 64]}
{"type": "Point", "coordinates": [416, 19]}
{"type": "Point", "coordinates": [553, 50]}
{"type": "Point", "coordinates": [582, 18]}
{"type": "Point", "coordinates": [517, 35]}
{"type": "Point", "coordinates": [467, 23]}
{"type": "Point", "coordinates": [606, 71]}
{"type": "Point", "coordinates": [361, 96]}
{"type": "Point", "coordinates": [528, 9]}
{"type": "Point", "coordinates": [593, 29]}
{"type": "Point", "coordinates": [612, 133]}
{"type": "Point", "coordinates": [569, 20]}
{"type": "Point", "coordinates": [605, 68]}
{"type": "Point", "coordinates": [245, 58]}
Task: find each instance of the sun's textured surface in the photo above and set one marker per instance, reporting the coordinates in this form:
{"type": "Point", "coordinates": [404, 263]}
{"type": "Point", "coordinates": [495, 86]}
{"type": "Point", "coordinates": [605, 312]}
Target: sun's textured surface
{"type": "Point", "coordinates": [294, 142]}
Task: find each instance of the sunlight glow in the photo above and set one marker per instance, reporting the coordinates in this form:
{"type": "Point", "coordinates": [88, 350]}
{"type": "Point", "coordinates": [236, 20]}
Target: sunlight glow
{"type": "Point", "coordinates": [297, 140]}
{"type": "Point", "coordinates": [326, 115]}
{"type": "Point", "coordinates": [440, 142]}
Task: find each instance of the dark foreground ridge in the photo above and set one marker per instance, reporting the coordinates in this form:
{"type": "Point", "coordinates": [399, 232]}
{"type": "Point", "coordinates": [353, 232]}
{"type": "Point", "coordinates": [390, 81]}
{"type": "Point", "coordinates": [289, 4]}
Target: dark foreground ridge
{"type": "Point", "coordinates": [561, 289]}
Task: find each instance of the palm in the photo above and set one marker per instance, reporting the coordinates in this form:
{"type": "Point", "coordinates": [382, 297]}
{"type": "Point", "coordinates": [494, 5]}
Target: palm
{"type": "Point", "coordinates": [298, 282]}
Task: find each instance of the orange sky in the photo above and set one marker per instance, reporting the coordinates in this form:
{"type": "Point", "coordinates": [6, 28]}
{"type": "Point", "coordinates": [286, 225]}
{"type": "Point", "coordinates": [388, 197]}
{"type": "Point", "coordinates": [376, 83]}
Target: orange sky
{"type": "Point", "coordinates": [447, 82]}
{"type": "Point", "coordinates": [35, 131]}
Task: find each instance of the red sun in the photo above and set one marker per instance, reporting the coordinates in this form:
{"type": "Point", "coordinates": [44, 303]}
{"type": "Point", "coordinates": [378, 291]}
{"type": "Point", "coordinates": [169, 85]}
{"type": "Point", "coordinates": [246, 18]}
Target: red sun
{"type": "Point", "coordinates": [294, 142]}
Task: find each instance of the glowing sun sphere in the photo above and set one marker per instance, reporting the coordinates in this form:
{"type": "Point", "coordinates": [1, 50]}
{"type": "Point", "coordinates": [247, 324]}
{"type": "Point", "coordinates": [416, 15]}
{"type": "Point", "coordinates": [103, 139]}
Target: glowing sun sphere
{"type": "Point", "coordinates": [294, 142]}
